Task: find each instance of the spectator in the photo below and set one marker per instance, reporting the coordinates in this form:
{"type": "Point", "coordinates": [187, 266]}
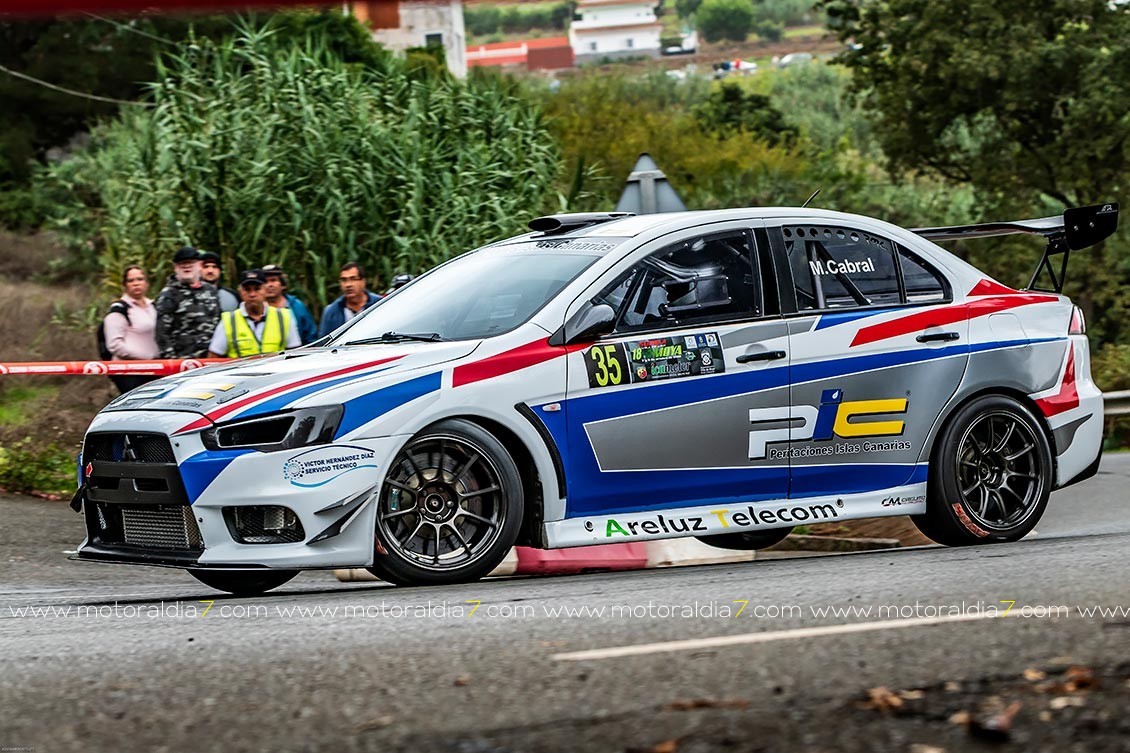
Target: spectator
{"type": "Point", "coordinates": [211, 272]}
{"type": "Point", "coordinates": [187, 309]}
{"type": "Point", "coordinates": [254, 327]}
{"type": "Point", "coordinates": [274, 289]}
{"type": "Point", "coordinates": [130, 327]}
{"type": "Point", "coordinates": [398, 282]}
{"type": "Point", "coordinates": [355, 298]}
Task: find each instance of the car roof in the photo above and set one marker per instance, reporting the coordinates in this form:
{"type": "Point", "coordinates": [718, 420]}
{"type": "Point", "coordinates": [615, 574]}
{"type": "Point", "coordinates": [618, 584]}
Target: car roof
{"type": "Point", "coordinates": [639, 224]}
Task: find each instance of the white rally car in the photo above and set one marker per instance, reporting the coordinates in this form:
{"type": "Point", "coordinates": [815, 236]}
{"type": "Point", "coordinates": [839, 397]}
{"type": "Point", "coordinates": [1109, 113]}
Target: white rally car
{"type": "Point", "coordinates": [606, 378]}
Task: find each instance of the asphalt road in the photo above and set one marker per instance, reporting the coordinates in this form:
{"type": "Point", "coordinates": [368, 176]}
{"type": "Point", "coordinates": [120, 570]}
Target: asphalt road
{"type": "Point", "coordinates": [414, 670]}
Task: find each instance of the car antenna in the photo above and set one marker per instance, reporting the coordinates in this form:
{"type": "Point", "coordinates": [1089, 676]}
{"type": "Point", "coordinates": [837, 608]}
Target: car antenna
{"type": "Point", "coordinates": [810, 198]}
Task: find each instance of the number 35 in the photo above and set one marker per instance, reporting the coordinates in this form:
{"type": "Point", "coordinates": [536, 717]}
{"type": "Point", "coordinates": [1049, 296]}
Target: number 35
{"type": "Point", "coordinates": [608, 369]}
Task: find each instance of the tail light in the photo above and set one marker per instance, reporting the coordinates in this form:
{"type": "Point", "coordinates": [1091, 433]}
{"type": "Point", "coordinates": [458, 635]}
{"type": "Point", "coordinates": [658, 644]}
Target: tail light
{"type": "Point", "coordinates": [1078, 323]}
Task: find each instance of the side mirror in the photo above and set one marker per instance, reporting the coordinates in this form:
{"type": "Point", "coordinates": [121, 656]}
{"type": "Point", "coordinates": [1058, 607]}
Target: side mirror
{"type": "Point", "coordinates": [586, 325]}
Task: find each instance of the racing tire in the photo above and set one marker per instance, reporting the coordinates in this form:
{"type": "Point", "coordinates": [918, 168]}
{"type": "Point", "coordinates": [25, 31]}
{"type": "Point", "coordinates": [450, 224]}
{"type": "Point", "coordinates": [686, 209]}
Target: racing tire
{"type": "Point", "coordinates": [243, 582]}
{"type": "Point", "coordinates": [450, 508]}
{"type": "Point", "coordinates": [747, 540]}
{"type": "Point", "coordinates": [990, 475]}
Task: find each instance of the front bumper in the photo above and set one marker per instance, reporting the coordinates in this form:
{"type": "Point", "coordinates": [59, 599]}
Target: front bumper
{"type": "Point", "coordinates": [178, 511]}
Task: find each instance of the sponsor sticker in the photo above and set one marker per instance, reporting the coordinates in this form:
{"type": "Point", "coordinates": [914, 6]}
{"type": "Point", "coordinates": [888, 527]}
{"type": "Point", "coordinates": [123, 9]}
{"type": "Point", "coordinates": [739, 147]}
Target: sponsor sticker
{"type": "Point", "coordinates": [835, 419]}
{"type": "Point", "coordinates": [322, 465]}
{"type": "Point", "coordinates": [900, 501]}
{"type": "Point", "coordinates": [966, 521]}
{"type": "Point", "coordinates": [654, 359]}
{"type": "Point", "coordinates": [714, 521]}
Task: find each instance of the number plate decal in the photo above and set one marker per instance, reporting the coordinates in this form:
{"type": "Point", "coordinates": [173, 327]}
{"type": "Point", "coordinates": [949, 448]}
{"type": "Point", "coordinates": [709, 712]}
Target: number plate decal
{"type": "Point", "coordinates": [654, 359]}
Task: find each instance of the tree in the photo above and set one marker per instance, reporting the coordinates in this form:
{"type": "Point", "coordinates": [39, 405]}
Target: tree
{"type": "Point", "coordinates": [728, 108]}
{"type": "Point", "coordinates": [111, 60]}
{"type": "Point", "coordinates": [725, 19]}
{"type": "Point", "coordinates": [1030, 96]}
{"type": "Point", "coordinates": [1028, 102]}
{"type": "Point", "coordinates": [262, 152]}
{"type": "Point", "coordinates": [686, 8]}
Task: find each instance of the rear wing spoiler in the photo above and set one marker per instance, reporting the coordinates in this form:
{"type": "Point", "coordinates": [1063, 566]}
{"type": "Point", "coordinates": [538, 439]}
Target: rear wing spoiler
{"type": "Point", "coordinates": [1076, 229]}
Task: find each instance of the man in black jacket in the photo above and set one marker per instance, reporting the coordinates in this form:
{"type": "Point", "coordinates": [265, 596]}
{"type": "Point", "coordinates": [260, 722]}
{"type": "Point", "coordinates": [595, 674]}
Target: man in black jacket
{"type": "Point", "coordinates": [187, 309]}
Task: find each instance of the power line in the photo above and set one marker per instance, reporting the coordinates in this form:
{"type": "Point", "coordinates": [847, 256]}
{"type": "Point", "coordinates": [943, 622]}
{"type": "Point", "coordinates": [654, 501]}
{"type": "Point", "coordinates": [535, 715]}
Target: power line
{"type": "Point", "coordinates": [125, 27]}
{"type": "Point", "coordinates": [72, 92]}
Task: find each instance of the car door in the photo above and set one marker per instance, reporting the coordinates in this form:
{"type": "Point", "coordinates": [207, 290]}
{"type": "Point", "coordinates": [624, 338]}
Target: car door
{"type": "Point", "coordinates": [658, 411]}
{"type": "Point", "coordinates": [877, 349]}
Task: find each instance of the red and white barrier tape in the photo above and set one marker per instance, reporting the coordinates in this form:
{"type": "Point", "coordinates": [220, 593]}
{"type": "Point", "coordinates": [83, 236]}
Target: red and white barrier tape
{"type": "Point", "coordinates": [163, 367]}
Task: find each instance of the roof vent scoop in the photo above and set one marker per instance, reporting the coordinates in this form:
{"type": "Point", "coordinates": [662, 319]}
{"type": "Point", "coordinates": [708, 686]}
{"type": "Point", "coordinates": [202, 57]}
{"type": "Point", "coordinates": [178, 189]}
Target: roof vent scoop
{"type": "Point", "coordinates": [563, 223]}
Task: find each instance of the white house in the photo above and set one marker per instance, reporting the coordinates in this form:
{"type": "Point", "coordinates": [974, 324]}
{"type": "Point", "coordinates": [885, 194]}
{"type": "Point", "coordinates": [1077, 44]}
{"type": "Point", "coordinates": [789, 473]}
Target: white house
{"type": "Point", "coordinates": [401, 24]}
{"type": "Point", "coordinates": [614, 28]}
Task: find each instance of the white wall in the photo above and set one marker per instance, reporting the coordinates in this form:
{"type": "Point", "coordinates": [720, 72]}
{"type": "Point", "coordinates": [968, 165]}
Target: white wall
{"type": "Point", "coordinates": [419, 19]}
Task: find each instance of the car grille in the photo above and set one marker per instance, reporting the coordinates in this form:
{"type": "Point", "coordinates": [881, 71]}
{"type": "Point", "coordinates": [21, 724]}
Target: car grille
{"type": "Point", "coordinates": [164, 527]}
{"type": "Point", "coordinates": [129, 447]}
{"type": "Point", "coordinates": [134, 495]}
{"type": "Point", "coordinates": [161, 527]}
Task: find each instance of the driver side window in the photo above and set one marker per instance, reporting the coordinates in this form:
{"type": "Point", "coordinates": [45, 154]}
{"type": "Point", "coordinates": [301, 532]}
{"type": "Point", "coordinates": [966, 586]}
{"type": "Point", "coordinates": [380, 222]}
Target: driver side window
{"type": "Point", "coordinates": [706, 279]}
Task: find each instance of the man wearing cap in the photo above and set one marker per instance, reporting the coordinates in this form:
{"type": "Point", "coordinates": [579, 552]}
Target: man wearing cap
{"type": "Point", "coordinates": [254, 327]}
{"type": "Point", "coordinates": [187, 309]}
{"type": "Point", "coordinates": [211, 272]}
{"type": "Point", "coordinates": [274, 290]}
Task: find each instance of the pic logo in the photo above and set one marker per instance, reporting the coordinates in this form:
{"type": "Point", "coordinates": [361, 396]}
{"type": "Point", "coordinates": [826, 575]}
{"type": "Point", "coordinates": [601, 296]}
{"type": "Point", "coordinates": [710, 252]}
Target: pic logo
{"type": "Point", "coordinates": [834, 418]}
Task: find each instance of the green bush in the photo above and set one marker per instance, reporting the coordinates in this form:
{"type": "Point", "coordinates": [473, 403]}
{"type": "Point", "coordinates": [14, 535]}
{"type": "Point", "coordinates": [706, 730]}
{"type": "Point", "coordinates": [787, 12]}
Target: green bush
{"type": "Point", "coordinates": [287, 155]}
{"type": "Point", "coordinates": [481, 19]}
{"type": "Point", "coordinates": [770, 31]}
{"type": "Point", "coordinates": [686, 8]}
{"type": "Point", "coordinates": [788, 12]}
{"type": "Point", "coordinates": [29, 467]}
{"type": "Point", "coordinates": [725, 19]}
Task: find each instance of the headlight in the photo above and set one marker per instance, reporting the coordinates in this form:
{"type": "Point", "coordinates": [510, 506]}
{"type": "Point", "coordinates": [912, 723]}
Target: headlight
{"type": "Point", "coordinates": [277, 431]}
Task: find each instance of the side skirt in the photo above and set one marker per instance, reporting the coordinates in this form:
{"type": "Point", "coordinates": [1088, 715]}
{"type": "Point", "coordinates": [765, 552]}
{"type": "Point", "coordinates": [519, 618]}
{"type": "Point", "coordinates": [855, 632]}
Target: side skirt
{"type": "Point", "coordinates": [704, 521]}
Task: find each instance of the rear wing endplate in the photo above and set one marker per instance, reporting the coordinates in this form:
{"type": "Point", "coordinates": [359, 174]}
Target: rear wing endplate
{"type": "Point", "coordinates": [1076, 229]}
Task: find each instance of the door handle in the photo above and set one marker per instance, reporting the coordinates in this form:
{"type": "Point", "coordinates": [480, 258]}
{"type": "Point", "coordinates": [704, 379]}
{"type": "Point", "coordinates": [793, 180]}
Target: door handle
{"type": "Point", "coordinates": [765, 355]}
{"type": "Point", "coordinates": [938, 337]}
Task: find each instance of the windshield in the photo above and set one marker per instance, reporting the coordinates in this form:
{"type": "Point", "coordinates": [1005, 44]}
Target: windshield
{"type": "Point", "coordinates": [480, 295]}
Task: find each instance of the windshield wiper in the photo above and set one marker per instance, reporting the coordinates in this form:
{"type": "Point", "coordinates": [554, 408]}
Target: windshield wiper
{"type": "Point", "coordinates": [395, 337]}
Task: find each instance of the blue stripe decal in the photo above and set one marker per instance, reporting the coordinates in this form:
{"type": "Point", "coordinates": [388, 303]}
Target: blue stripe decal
{"type": "Point", "coordinates": [281, 401]}
{"type": "Point", "coordinates": [200, 470]}
{"type": "Point", "coordinates": [361, 410]}
{"type": "Point", "coordinates": [592, 491]}
{"type": "Point", "coordinates": [832, 320]}
{"type": "Point", "coordinates": [816, 480]}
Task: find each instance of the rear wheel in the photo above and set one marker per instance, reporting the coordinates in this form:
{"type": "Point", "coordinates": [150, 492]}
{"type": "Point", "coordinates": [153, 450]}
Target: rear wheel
{"type": "Point", "coordinates": [746, 540]}
{"type": "Point", "coordinates": [450, 508]}
{"type": "Point", "coordinates": [243, 582]}
{"type": "Point", "coordinates": [990, 477]}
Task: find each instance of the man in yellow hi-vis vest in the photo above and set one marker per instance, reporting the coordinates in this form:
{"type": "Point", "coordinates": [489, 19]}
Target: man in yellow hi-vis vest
{"type": "Point", "coordinates": [254, 327]}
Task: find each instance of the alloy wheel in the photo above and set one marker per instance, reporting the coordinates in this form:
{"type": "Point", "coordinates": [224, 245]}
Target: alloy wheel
{"type": "Point", "coordinates": [442, 505]}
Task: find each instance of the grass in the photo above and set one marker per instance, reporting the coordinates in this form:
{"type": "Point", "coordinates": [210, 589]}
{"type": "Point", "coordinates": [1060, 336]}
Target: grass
{"type": "Point", "coordinates": [18, 401]}
{"type": "Point", "coordinates": [800, 32]}
{"type": "Point", "coordinates": [28, 467]}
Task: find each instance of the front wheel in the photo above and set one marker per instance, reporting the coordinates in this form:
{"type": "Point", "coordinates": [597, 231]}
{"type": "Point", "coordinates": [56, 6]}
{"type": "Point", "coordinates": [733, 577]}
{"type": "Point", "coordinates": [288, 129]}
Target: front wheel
{"type": "Point", "coordinates": [747, 540]}
{"type": "Point", "coordinates": [450, 508]}
{"type": "Point", "coordinates": [990, 477]}
{"type": "Point", "coordinates": [243, 582]}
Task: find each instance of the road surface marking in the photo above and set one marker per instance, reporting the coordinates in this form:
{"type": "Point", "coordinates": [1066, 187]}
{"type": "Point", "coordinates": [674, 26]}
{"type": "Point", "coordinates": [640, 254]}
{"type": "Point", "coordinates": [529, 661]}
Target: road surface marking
{"type": "Point", "coordinates": [764, 637]}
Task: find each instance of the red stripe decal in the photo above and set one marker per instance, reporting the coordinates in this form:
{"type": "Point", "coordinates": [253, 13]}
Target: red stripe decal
{"type": "Point", "coordinates": [1068, 396]}
{"type": "Point", "coordinates": [940, 317]}
{"type": "Point", "coordinates": [219, 413]}
{"type": "Point", "coordinates": [530, 354]}
{"type": "Point", "coordinates": [991, 287]}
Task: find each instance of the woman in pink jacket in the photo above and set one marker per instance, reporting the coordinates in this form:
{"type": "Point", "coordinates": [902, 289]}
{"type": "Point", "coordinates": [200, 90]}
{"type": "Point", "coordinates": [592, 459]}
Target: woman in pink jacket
{"type": "Point", "coordinates": [130, 330]}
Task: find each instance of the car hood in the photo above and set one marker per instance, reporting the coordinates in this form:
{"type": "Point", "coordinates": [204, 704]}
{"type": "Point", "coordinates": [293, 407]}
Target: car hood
{"type": "Point", "coordinates": [225, 387]}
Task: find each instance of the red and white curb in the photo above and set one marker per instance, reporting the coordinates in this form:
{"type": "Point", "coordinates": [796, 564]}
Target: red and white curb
{"type": "Point", "coordinates": [523, 560]}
